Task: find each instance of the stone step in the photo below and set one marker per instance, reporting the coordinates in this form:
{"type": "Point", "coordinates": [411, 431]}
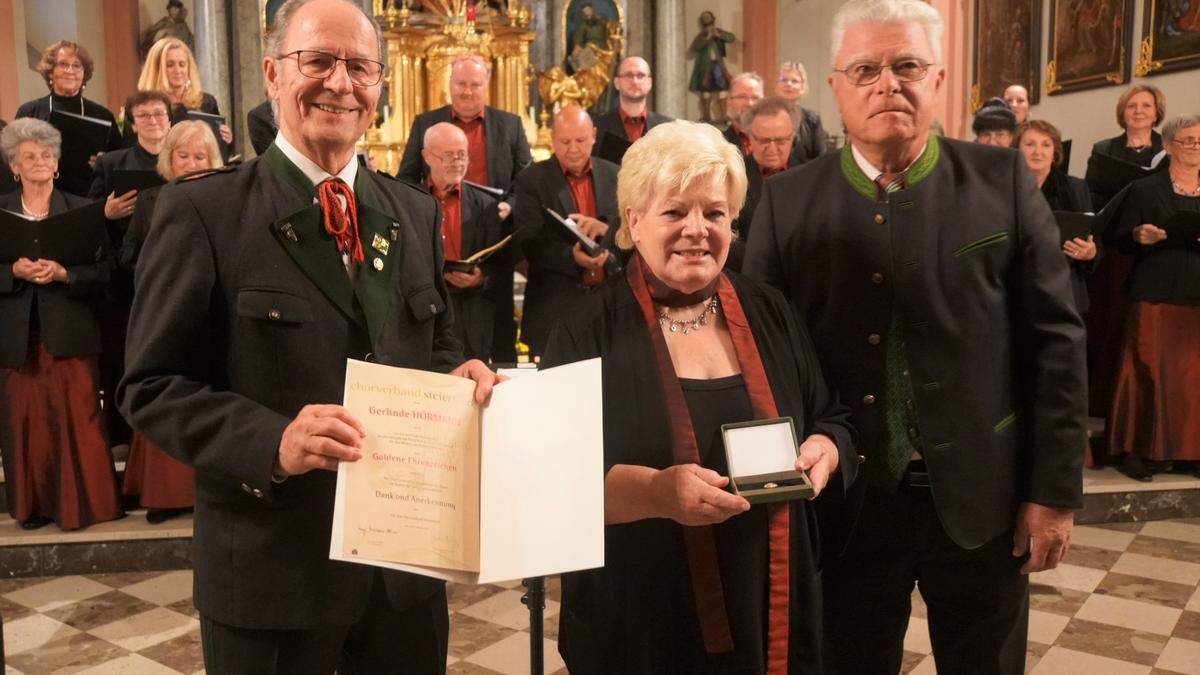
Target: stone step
{"type": "Point", "coordinates": [133, 545]}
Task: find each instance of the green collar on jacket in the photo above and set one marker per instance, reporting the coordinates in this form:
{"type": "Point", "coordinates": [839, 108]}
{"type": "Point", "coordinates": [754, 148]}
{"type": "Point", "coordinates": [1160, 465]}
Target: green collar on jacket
{"type": "Point", "coordinates": [919, 171]}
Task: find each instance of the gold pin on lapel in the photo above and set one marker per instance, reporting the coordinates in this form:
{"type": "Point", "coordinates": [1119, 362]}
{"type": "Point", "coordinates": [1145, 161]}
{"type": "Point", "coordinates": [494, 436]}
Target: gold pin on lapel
{"type": "Point", "coordinates": [378, 264]}
{"type": "Point", "coordinates": [380, 244]}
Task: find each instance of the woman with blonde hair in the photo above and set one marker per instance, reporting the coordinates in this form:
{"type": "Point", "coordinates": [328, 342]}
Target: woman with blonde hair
{"type": "Point", "coordinates": [171, 69]}
{"type": "Point", "coordinates": [791, 86]}
{"type": "Point", "coordinates": [164, 485]}
{"type": "Point", "coordinates": [696, 579]}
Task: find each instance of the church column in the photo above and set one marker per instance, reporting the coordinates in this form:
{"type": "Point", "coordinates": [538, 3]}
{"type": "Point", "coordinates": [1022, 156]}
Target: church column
{"type": "Point", "coordinates": [760, 54]}
{"type": "Point", "coordinates": [952, 109]}
{"type": "Point", "coordinates": [670, 59]}
{"type": "Point", "coordinates": [211, 26]}
{"type": "Point", "coordinates": [245, 71]}
{"type": "Point", "coordinates": [9, 92]}
{"type": "Point", "coordinates": [121, 66]}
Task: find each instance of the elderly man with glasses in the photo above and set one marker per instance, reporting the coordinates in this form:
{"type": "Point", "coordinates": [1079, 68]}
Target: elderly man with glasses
{"type": "Point", "coordinates": [255, 285]}
{"type": "Point", "coordinates": [930, 276]}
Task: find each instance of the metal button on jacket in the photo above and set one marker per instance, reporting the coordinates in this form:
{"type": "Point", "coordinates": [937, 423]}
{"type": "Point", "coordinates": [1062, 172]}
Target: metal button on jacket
{"type": "Point", "coordinates": [877, 278]}
{"type": "Point", "coordinates": [873, 339]}
{"type": "Point", "coordinates": [274, 314]}
{"type": "Point", "coordinates": [868, 399]}
{"type": "Point", "coordinates": [879, 219]}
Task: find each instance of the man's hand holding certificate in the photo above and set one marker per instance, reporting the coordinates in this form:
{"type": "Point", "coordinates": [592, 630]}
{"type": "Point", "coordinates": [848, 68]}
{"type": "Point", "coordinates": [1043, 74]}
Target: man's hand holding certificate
{"type": "Point", "coordinates": [449, 488]}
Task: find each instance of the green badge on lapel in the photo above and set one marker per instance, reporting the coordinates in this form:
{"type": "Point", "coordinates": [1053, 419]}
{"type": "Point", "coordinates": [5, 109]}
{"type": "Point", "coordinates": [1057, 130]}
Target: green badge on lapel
{"type": "Point", "coordinates": [379, 243]}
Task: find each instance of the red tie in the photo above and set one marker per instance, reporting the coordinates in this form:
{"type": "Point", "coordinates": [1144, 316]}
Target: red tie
{"type": "Point", "coordinates": [341, 222]}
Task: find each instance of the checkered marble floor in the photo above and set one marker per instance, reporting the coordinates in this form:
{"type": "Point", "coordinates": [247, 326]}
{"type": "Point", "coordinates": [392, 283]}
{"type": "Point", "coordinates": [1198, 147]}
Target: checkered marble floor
{"type": "Point", "coordinates": [1127, 600]}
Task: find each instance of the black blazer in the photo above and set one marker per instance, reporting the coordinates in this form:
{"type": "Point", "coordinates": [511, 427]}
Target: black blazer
{"type": "Point", "coordinates": [971, 263]}
{"type": "Point", "coordinates": [507, 148]}
{"type": "Point", "coordinates": [554, 283]}
{"type": "Point", "coordinates": [611, 122]}
{"type": "Point", "coordinates": [1167, 271]}
{"type": "Point", "coordinates": [745, 217]}
{"type": "Point", "coordinates": [811, 137]}
{"type": "Point", "coordinates": [66, 313]}
{"type": "Point", "coordinates": [731, 134]}
{"type": "Point", "coordinates": [236, 325]}
{"type": "Point", "coordinates": [260, 122]}
{"type": "Point", "coordinates": [475, 309]}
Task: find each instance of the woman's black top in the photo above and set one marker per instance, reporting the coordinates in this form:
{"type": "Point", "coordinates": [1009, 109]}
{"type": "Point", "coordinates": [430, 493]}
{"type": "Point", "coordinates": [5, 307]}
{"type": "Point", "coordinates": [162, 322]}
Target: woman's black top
{"type": "Point", "coordinates": [1167, 271]}
{"type": "Point", "coordinates": [636, 615]}
{"type": "Point", "coordinates": [72, 179]}
{"type": "Point", "coordinates": [1118, 147]}
{"type": "Point", "coordinates": [1068, 193]}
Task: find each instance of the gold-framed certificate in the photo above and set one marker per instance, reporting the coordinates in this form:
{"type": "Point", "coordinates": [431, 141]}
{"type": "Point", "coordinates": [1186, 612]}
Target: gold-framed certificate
{"type": "Point", "coordinates": [449, 489]}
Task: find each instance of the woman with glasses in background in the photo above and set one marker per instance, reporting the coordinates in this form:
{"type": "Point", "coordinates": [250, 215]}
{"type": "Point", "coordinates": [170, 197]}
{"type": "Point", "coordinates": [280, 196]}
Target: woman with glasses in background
{"type": "Point", "coordinates": [67, 67]}
{"type": "Point", "coordinates": [791, 86]}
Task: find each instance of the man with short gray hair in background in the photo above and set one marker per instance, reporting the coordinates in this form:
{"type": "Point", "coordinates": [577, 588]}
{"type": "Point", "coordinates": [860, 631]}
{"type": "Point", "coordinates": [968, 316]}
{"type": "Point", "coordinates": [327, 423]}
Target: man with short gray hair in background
{"type": "Point", "coordinates": [745, 90]}
{"type": "Point", "coordinates": [930, 276]}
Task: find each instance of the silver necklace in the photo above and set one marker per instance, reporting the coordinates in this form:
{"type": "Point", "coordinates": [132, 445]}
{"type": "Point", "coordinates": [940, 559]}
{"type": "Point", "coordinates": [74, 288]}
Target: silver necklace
{"type": "Point", "coordinates": [712, 307]}
{"type": "Point", "coordinates": [1184, 191]}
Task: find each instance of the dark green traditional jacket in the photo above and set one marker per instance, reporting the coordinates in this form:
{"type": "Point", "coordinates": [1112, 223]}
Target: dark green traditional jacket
{"type": "Point", "coordinates": [243, 315]}
{"type": "Point", "coordinates": [965, 261]}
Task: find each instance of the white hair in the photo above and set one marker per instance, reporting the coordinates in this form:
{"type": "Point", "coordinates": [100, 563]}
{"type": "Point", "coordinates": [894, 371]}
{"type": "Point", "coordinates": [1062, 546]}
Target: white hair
{"type": "Point", "coordinates": [888, 11]}
{"type": "Point", "coordinates": [748, 77]}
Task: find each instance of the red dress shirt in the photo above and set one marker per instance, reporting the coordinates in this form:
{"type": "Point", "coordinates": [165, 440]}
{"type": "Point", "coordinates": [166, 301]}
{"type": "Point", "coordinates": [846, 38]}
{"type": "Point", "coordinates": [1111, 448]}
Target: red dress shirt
{"type": "Point", "coordinates": [635, 127]}
{"type": "Point", "coordinates": [477, 168]}
{"type": "Point", "coordinates": [451, 200]}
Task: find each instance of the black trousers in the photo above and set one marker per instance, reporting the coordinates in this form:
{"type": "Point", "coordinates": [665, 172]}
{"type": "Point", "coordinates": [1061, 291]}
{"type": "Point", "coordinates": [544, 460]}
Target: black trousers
{"type": "Point", "coordinates": [384, 640]}
{"type": "Point", "coordinates": [977, 600]}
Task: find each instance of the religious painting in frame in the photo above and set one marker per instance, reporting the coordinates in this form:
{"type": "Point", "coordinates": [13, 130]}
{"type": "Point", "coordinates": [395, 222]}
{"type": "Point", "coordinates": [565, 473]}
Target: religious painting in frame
{"type": "Point", "coordinates": [1008, 41]}
{"type": "Point", "coordinates": [1170, 37]}
{"type": "Point", "coordinates": [1089, 44]}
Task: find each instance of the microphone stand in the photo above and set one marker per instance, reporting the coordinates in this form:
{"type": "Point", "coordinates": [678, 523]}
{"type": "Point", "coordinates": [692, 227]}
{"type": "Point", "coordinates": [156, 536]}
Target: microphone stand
{"type": "Point", "coordinates": [535, 600]}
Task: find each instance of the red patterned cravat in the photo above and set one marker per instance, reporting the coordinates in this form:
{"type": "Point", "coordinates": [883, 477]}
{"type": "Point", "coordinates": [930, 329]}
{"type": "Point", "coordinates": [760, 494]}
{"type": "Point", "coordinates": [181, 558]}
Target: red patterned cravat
{"type": "Point", "coordinates": [341, 221]}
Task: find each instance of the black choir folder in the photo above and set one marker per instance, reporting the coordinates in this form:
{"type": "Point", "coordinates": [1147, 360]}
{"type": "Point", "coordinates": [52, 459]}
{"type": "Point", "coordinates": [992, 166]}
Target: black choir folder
{"type": "Point", "coordinates": [1109, 174]}
{"type": "Point", "coordinates": [1073, 225]}
{"type": "Point", "coordinates": [468, 265]}
{"type": "Point", "coordinates": [76, 237]}
{"type": "Point", "coordinates": [761, 455]}
{"type": "Point", "coordinates": [575, 235]}
{"type": "Point", "coordinates": [124, 180]}
{"type": "Point", "coordinates": [82, 137]}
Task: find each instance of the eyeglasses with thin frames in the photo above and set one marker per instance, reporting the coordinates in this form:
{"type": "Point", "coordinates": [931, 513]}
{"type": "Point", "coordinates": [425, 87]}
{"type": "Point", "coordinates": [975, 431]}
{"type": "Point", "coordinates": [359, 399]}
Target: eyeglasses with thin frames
{"type": "Point", "coordinates": [69, 65]}
{"type": "Point", "coordinates": [1189, 143]}
{"type": "Point", "coordinates": [864, 73]}
{"type": "Point", "coordinates": [448, 157]}
{"type": "Point", "coordinates": [320, 65]}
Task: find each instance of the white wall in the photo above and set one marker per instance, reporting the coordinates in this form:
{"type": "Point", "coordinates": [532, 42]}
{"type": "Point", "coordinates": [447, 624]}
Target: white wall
{"type": "Point", "coordinates": [40, 23]}
{"type": "Point", "coordinates": [804, 37]}
{"type": "Point", "coordinates": [729, 17]}
{"type": "Point", "coordinates": [1089, 116]}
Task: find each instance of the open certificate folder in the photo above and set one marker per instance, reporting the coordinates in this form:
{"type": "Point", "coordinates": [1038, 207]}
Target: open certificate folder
{"type": "Point", "coordinates": [450, 490]}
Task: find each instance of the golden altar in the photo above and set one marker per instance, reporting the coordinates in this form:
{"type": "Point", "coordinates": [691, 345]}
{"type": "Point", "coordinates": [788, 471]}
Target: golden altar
{"type": "Point", "coordinates": [422, 44]}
